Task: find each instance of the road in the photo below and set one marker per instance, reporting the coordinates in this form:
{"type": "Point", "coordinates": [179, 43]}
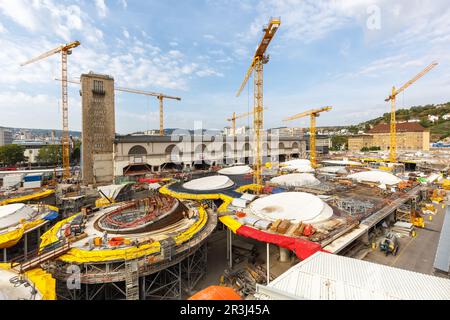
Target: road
{"type": "Point", "coordinates": [418, 253]}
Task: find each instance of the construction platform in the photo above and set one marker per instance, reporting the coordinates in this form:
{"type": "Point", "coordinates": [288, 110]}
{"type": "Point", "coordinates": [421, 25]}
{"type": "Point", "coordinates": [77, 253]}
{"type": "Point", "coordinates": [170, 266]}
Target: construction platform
{"type": "Point", "coordinates": [133, 250]}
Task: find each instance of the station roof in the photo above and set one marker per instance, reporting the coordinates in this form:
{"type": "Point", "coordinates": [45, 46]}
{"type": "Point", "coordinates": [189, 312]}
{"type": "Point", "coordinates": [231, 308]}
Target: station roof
{"type": "Point", "coordinates": [201, 138]}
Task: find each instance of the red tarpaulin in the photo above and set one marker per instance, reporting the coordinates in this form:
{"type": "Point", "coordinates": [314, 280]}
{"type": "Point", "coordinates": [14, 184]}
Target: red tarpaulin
{"type": "Point", "coordinates": [148, 180]}
{"type": "Point", "coordinates": [302, 248]}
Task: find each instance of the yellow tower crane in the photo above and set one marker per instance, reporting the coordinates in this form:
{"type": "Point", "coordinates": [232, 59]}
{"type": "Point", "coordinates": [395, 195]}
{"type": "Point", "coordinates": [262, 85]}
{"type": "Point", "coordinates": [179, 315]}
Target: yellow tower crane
{"type": "Point", "coordinates": [314, 113]}
{"type": "Point", "coordinates": [259, 59]}
{"type": "Point", "coordinates": [65, 50]}
{"type": "Point", "coordinates": [160, 97]}
{"type": "Point", "coordinates": [235, 117]}
{"type": "Point", "coordinates": [392, 98]}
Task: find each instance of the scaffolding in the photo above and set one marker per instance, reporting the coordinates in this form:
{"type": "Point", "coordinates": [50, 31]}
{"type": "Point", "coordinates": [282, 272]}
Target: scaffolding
{"type": "Point", "coordinates": [170, 280]}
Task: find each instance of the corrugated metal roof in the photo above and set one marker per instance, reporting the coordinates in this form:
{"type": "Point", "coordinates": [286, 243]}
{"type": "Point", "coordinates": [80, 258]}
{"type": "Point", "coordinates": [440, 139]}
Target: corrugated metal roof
{"type": "Point", "coordinates": [326, 276]}
{"type": "Point", "coordinates": [442, 260]}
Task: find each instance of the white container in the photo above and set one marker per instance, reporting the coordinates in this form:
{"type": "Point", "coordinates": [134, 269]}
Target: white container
{"type": "Point", "coordinates": [12, 181]}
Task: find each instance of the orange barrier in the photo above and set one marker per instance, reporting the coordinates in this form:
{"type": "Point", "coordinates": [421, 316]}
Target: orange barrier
{"type": "Point", "coordinates": [216, 293]}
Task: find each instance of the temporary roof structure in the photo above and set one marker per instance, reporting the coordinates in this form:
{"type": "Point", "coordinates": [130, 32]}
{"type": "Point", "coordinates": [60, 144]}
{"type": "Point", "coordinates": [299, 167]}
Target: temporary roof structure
{"type": "Point", "coordinates": [296, 180]}
{"type": "Point", "coordinates": [298, 165]}
{"type": "Point", "coordinates": [333, 170]}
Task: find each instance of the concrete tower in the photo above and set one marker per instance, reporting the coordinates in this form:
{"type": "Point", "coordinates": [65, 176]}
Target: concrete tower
{"type": "Point", "coordinates": [98, 128]}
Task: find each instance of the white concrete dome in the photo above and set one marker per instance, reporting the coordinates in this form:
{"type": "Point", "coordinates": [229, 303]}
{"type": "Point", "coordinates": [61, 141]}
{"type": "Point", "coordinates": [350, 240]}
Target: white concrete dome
{"type": "Point", "coordinates": [293, 206]}
{"type": "Point", "coordinates": [209, 183]}
{"type": "Point", "coordinates": [333, 169]}
{"type": "Point", "coordinates": [236, 170]}
{"type": "Point", "coordinates": [11, 214]}
{"type": "Point", "coordinates": [376, 176]}
{"type": "Point", "coordinates": [296, 180]}
{"type": "Point", "coordinates": [10, 291]}
{"type": "Point", "coordinates": [297, 165]}
{"type": "Point", "coordinates": [344, 162]}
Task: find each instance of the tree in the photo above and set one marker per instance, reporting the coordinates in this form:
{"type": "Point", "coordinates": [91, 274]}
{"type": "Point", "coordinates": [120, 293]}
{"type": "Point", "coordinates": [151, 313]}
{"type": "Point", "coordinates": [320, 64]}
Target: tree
{"type": "Point", "coordinates": [339, 143]}
{"type": "Point", "coordinates": [353, 129]}
{"type": "Point", "coordinates": [12, 154]}
{"type": "Point", "coordinates": [50, 154]}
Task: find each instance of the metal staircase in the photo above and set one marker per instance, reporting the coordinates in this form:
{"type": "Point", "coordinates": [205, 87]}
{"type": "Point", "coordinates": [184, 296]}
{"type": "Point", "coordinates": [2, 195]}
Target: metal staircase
{"type": "Point", "coordinates": [131, 280]}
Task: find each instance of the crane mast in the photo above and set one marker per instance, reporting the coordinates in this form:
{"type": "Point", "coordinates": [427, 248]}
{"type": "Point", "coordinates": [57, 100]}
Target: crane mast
{"type": "Point", "coordinates": [235, 117]}
{"type": "Point", "coordinates": [259, 59]}
{"type": "Point", "coordinates": [313, 114]}
{"type": "Point", "coordinates": [392, 98]}
{"type": "Point", "coordinates": [65, 50]}
{"type": "Point", "coordinates": [159, 96]}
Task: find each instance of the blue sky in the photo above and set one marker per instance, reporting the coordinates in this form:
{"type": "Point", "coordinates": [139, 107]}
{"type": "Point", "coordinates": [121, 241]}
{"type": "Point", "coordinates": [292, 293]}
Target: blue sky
{"type": "Point", "coordinates": [346, 54]}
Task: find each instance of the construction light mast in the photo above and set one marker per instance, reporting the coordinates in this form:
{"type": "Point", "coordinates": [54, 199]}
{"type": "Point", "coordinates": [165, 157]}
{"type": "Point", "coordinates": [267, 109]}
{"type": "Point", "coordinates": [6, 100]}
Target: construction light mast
{"type": "Point", "coordinates": [65, 50]}
{"type": "Point", "coordinates": [313, 114]}
{"type": "Point", "coordinates": [392, 98]}
{"type": "Point", "coordinates": [160, 96]}
{"type": "Point", "coordinates": [259, 59]}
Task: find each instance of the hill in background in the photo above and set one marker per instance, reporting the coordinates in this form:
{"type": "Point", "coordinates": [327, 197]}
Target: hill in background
{"type": "Point", "coordinates": [438, 123]}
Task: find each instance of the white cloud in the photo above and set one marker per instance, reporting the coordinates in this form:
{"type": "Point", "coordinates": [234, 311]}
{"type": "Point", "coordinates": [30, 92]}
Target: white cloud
{"type": "Point", "coordinates": [124, 3]}
{"type": "Point", "coordinates": [2, 28]}
{"type": "Point", "coordinates": [21, 12]}
{"type": "Point", "coordinates": [35, 111]}
{"type": "Point", "coordinates": [209, 37]}
{"type": "Point", "coordinates": [126, 34]}
{"type": "Point", "coordinates": [101, 8]}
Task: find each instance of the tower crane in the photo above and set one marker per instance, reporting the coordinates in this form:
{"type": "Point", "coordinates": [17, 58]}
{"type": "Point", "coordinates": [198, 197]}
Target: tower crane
{"type": "Point", "coordinates": [65, 50]}
{"type": "Point", "coordinates": [314, 113]}
{"type": "Point", "coordinates": [235, 117]}
{"type": "Point", "coordinates": [160, 97]}
{"type": "Point", "coordinates": [259, 59]}
{"type": "Point", "coordinates": [392, 98]}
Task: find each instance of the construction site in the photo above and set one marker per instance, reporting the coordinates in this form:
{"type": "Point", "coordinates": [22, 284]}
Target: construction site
{"type": "Point", "coordinates": [250, 216]}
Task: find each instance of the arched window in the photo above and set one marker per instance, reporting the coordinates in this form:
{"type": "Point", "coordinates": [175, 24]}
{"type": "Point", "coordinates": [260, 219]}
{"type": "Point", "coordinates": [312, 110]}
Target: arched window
{"type": "Point", "coordinates": [281, 145]}
{"type": "Point", "coordinates": [173, 150]}
{"type": "Point", "coordinates": [137, 151]}
{"type": "Point", "coordinates": [295, 146]}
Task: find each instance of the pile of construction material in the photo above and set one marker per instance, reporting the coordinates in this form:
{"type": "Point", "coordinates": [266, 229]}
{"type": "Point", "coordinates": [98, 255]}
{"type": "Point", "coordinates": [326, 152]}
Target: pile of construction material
{"type": "Point", "coordinates": [245, 279]}
{"type": "Point", "coordinates": [403, 229]}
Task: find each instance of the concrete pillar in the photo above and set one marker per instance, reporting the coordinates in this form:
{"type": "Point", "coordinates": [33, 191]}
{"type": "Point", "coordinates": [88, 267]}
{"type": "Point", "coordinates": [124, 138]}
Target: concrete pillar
{"type": "Point", "coordinates": [285, 255]}
{"type": "Point", "coordinates": [25, 240]}
{"type": "Point", "coordinates": [268, 263]}
{"type": "Point", "coordinates": [365, 238]}
{"type": "Point", "coordinates": [230, 262]}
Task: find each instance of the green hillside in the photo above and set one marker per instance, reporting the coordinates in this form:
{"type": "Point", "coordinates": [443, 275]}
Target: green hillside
{"type": "Point", "coordinates": [439, 129]}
